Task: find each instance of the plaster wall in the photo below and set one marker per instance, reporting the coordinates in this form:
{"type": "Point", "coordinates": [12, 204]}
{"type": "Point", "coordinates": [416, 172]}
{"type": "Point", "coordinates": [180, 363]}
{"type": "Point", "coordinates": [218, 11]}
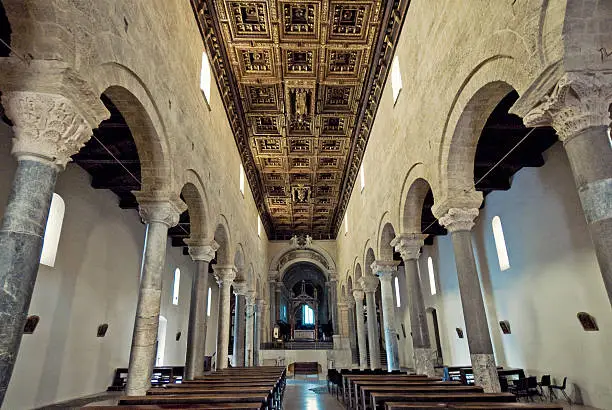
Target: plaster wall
{"type": "Point", "coordinates": [94, 281]}
{"type": "Point", "coordinates": [553, 275]}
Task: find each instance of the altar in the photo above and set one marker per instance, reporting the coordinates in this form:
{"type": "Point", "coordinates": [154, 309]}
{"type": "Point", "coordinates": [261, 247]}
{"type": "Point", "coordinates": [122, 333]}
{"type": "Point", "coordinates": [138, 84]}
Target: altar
{"type": "Point", "coordinates": [302, 334]}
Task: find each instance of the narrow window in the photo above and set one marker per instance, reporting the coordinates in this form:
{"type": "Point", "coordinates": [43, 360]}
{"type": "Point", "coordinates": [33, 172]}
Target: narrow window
{"type": "Point", "coordinates": [500, 244]}
{"type": "Point", "coordinates": [205, 77]}
{"type": "Point", "coordinates": [242, 179]}
{"type": "Point", "coordinates": [308, 315]}
{"type": "Point", "coordinates": [208, 302]}
{"type": "Point", "coordinates": [259, 226]}
{"type": "Point", "coordinates": [346, 223]}
{"type": "Point", "coordinates": [53, 231]}
{"type": "Point", "coordinates": [362, 177]}
{"type": "Point", "coordinates": [397, 293]}
{"type": "Point", "coordinates": [432, 278]}
{"type": "Point", "coordinates": [175, 286]}
{"type": "Point", "coordinates": [396, 79]}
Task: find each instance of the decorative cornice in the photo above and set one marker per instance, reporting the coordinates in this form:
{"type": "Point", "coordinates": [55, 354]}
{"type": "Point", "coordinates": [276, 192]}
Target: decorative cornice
{"type": "Point", "coordinates": [409, 245]}
{"type": "Point", "coordinates": [368, 283]}
{"type": "Point", "coordinates": [459, 219]}
{"type": "Point", "coordinates": [384, 270]}
{"type": "Point", "coordinates": [579, 100]}
{"type": "Point", "coordinates": [47, 126]}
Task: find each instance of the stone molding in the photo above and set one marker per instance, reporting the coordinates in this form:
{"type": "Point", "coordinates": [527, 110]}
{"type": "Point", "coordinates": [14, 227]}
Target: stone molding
{"type": "Point", "coordinates": [164, 212]}
{"type": "Point", "coordinates": [225, 274]}
{"type": "Point", "coordinates": [385, 270]}
{"type": "Point", "coordinates": [409, 245]}
{"type": "Point", "coordinates": [202, 251]}
{"type": "Point", "coordinates": [358, 295]}
{"type": "Point", "coordinates": [368, 283]}
{"type": "Point", "coordinates": [578, 101]}
{"type": "Point", "coordinates": [459, 219]}
{"type": "Point", "coordinates": [47, 126]}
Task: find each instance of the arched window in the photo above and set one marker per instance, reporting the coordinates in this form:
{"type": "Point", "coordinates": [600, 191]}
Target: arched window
{"type": "Point", "coordinates": [500, 244]}
{"type": "Point", "coordinates": [259, 226]}
{"type": "Point", "coordinates": [53, 231]}
{"type": "Point", "coordinates": [161, 341]}
{"type": "Point", "coordinates": [432, 277]}
{"type": "Point", "coordinates": [208, 302]}
{"type": "Point", "coordinates": [307, 315]}
{"type": "Point", "coordinates": [241, 179]}
{"type": "Point", "coordinates": [362, 177]}
{"type": "Point", "coordinates": [396, 79]}
{"type": "Point", "coordinates": [346, 222]}
{"type": "Point", "coordinates": [176, 286]}
{"type": "Point", "coordinates": [397, 293]}
{"type": "Point", "coordinates": [205, 77]}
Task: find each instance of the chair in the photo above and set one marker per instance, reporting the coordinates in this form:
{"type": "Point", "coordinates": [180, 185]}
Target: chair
{"type": "Point", "coordinates": [532, 387]}
{"type": "Point", "coordinates": [503, 384]}
{"type": "Point", "coordinates": [544, 382]}
{"type": "Point", "coordinates": [519, 389]}
{"type": "Point", "coordinates": [561, 388]}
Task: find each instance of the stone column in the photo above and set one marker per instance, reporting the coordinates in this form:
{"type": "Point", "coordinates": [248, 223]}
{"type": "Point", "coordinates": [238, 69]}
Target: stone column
{"type": "Point", "coordinates": [369, 283]}
{"type": "Point", "coordinates": [158, 215]}
{"type": "Point", "coordinates": [409, 247]}
{"type": "Point", "coordinates": [240, 290]}
{"type": "Point", "coordinates": [202, 252]}
{"type": "Point", "coordinates": [459, 222]}
{"type": "Point", "coordinates": [225, 277]}
{"type": "Point", "coordinates": [278, 289]}
{"type": "Point", "coordinates": [265, 328]}
{"type": "Point", "coordinates": [386, 271]}
{"type": "Point", "coordinates": [48, 130]}
{"type": "Point", "coordinates": [578, 109]}
{"type": "Point", "coordinates": [259, 326]}
{"type": "Point", "coordinates": [333, 303]}
{"type": "Point", "coordinates": [343, 317]}
{"type": "Point", "coordinates": [358, 294]}
{"type": "Point", "coordinates": [273, 311]}
{"type": "Point", "coordinates": [249, 325]}
{"type": "Point", "coordinates": [352, 331]}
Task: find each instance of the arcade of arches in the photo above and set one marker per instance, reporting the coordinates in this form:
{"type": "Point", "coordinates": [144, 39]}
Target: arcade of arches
{"type": "Point", "coordinates": [388, 184]}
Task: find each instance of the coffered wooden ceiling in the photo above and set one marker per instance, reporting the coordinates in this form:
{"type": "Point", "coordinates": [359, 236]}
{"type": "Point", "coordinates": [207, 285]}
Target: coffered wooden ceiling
{"type": "Point", "coordinates": [300, 80]}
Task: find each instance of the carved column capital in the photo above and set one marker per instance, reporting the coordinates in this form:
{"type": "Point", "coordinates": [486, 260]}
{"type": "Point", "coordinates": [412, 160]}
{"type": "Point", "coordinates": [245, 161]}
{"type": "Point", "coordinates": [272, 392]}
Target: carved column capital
{"type": "Point", "coordinates": [368, 283]}
{"type": "Point", "coordinates": [409, 245]}
{"type": "Point", "coordinates": [47, 126]}
{"type": "Point", "coordinates": [225, 274]}
{"type": "Point", "coordinates": [159, 211]}
{"type": "Point", "coordinates": [358, 295]}
{"type": "Point", "coordinates": [249, 296]}
{"type": "Point", "coordinates": [202, 250]}
{"type": "Point", "coordinates": [385, 270]}
{"type": "Point", "coordinates": [240, 286]}
{"type": "Point", "coordinates": [579, 100]}
{"type": "Point", "coordinates": [459, 219]}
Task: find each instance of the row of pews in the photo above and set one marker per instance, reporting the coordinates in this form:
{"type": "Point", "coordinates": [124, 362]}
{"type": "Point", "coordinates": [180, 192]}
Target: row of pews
{"type": "Point", "coordinates": [372, 390]}
{"type": "Point", "coordinates": [244, 388]}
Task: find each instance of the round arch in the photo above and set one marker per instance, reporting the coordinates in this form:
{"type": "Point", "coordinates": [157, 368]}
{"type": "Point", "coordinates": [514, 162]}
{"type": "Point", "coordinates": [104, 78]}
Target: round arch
{"type": "Point", "coordinates": [369, 258]}
{"type": "Point", "coordinates": [386, 233]}
{"type": "Point", "coordinates": [414, 190]}
{"type": "Point", "coordinates": [197, 205]}
{"type": "Point", "coordinates": [223, 239]}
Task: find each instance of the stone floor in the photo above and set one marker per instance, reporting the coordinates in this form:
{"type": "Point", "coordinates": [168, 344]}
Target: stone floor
{"type": "Point", "coordinates": [303, 394]}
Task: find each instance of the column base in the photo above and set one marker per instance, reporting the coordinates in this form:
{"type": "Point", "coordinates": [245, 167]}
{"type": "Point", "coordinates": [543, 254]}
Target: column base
{"type": "Point", "coordinates": [485, 372]}
{"type": "Point", "coordinates": [423, 361]}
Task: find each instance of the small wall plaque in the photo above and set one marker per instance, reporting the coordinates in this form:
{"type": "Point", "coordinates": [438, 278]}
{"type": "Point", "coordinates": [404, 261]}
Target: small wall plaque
{"type": "Point", "coordinates": [30, 324]}
{"type": "Point", "coordinates": [102, 330]}
{"type": "Point", "coordinates": [588, 322]}
{"type": "Point", "coordinates": [459, 332]}
{"type": "Point", "coordinates": [178, 336]}
{"type": "Point", "coordinates": [505, 327]}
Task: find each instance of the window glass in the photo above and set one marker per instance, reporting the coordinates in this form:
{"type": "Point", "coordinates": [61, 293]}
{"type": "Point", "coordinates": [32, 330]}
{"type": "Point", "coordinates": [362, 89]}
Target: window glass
{"type": "Point", "coordinates": [205, 77]}
{"type": "Point", "coordinates": [308, 315]}
{"type": "Point", "coordinates": [175, 286]}
{"type": "Point", "coordinates": [397, 293]}
{"type": "Point", "coordinates": [396, 79]}
{"type": "Point", "coordinates": [432, 278]}
{"type": "Point", "coordinates": [241, 179]}
{"type": "Point", "coordinates": [208, 302]}
{"type": "Point", "coordinates": [53, 231]}
{"type": "Point", "coordinates": [500, 244]}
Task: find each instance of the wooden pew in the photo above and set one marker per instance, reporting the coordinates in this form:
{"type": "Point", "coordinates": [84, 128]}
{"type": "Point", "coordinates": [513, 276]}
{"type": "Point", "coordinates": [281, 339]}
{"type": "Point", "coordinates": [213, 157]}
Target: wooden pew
{"type": "Point", "coordinates": [398, 384]}
{"type": "Point", "coordinates": [205, 399]}
{"type": "Point", "coordinates": [218, 406]}
{"type": "Point", "coordinates": [471, 406]}
{"type": "Point", "coordinates": [378, 399]}
{"type": "Point", "coordinates": [347, 380]}
{"type": "Point", "coordinates": [365, 390]}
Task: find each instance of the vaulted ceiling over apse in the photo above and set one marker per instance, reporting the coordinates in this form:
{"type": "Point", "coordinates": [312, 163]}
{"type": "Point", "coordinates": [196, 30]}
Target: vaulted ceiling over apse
{"type": "Point", "coordinates": [301, 81]}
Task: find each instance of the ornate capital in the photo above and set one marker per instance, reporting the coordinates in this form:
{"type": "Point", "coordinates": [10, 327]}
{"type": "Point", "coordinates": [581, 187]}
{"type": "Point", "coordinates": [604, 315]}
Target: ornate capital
{"type": "Point", "coordinates": [47, 126]}
{"type": "Point", "coordinates": [225, 274]}
{"type": "Point", "coordinates": [202, 250]}
{"type": "Point", "coordinates": [162, 211]}
{"type": "Point", "coordinates": [459, 219]}
{"type": "Point", "coordinates": [385, 270]}
{"type": "Point", "coordinates": [249, 295]}
{"type": "Point", "coordinates": [368, 283]}
{"type": "Point", "coordinates": [241, 286]}
{"type": "Point", "coordinates": [358, 295]}
{"type": "Point", "coordinates": [409, 245]}
{"type": "Point", "coordinates": [580, 100]}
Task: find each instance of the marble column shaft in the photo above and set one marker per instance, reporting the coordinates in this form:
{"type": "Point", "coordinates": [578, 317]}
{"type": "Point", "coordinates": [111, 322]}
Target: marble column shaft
{"type": "Point", "coordinates": [202, 254]}
{"type": "Point", "coordinates": [159, 216]}
{"type": "Point", "coordinates": [386, 271]}
{"type": "Point", "coordinates": [259, 330]}
{"type": "Point", "coordinates": [358, 294]}
{"type": "Point", "coordinates": [409, 247]}
{"type": "Point", "coordinates": [273, 311]}
{"type": "Point", "coordinates": [225, 277]}
{"type": "Point", "coordinates": [368, 284]}
{"type": "Point", "coordinates": [48, 129]}
{"type": "Point", "coordinates": [459, 221]}
{"type": "Point", "coordinates": [578, 109]}
{"type": "Point", "coordinates": [239, 330]}
{"type": "Point", "coordinates": [249, 328]}
{"type": "Point", "coordinates": [333, 304]}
